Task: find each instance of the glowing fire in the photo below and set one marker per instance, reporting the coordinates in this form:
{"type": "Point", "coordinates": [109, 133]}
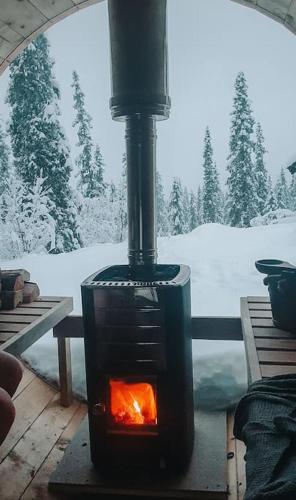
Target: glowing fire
{"type": "Point", "coordinates": [133, 403]}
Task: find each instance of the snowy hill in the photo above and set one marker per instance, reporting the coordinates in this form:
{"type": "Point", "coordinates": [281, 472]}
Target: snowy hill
{"type": "Point", "coordinates": [222, 264]}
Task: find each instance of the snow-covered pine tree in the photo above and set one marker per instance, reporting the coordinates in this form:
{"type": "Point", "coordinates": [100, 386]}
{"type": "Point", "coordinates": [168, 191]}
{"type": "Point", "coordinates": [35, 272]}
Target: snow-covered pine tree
{"type": "Point", "coordinates": [186, 210]}
{"type": "Point", "coordinates": [83, 122]}
{"type": "Point", "coordinates": [97, 221]}
{"type": "Point", "coordinates": [121, 212]}
{"type": "Point", "coordinates": [26, 226]}
{"type": "Point", "coordinates": [90, 165]}
{"type": "Point", "coordinates": [211, 188]}
{"type": "Point", "coordinates": [193, 219]}
{"type": "Point", "coordinates": [176, 215]}
{"type": "Point", "coordinates": [241, 196]}
{"type": "Point", "coordinates": [112, 193]}
{"type": "Point", "coordinates": [199, 207]}
{"type": "Point", "coordinates": [4, 160]}
{"type": "Point", "coordinates": [292, 193]}
{"type": "Point", "coordinates": [38, 141]}
{"type": "Point", "coordinates": [260, 170]}
{"type": "Point", "coordinates": [281, 189]}
{"type": "Point", "coordinates": [97, 174]}
{"type": "Point", "coordinates": [270, 202]}
{"type": "Point", "coordinates": [162, 222]}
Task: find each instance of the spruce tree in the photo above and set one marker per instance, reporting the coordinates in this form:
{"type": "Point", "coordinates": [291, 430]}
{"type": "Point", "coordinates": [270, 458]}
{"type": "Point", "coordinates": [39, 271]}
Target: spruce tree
{"type": "Point", "coordinates": [97, 184]}
{"type": "Point", "coordinates": [199, 207]}
{"type": "Point", "coordinates": [84, 123]}
{"type": "Point", "coordinates": [161, 215]}
{"type": "Point", "coordinates": [282, 194]}
{"type": "Point", "coordinates": [193, 216]}
{"type": "Point", "coordinates": [270, 202]}
{"type": "Point", "coordinates": [176, 208]}
{"type": "Point", "coordinates": [241, 196]}
{"type": "Point", "coordinates": [292, 192]}
{"type": "Point", "coordinates": [211, 188]}
{"type": "Point", "coordinates": [4, 161]}
{"type": "Point", "coordinates": [38, 141]}
{"type": "Point", "coordinates": [260, 170]}
{"type": "Point", "coordinates": [89, 163]}
{"type": "Point", "coordinates": [121, 213]}
{"type": "Point", "coordinates": [186, 210]}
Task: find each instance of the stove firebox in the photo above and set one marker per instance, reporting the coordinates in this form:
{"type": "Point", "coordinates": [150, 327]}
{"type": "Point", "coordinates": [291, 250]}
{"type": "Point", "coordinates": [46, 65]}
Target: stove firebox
{"type": "Point", "coordinates": [139, 365]}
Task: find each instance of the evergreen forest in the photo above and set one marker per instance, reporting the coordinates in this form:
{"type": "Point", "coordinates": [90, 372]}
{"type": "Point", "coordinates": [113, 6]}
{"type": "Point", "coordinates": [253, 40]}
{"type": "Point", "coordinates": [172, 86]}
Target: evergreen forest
{"type": "Point", "coordinates": [43, 210]}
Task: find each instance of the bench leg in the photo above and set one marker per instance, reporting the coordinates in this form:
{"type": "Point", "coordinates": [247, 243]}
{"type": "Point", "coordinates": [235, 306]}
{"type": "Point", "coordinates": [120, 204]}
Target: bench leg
{"type": "Point", "coordinates": [65, 372]}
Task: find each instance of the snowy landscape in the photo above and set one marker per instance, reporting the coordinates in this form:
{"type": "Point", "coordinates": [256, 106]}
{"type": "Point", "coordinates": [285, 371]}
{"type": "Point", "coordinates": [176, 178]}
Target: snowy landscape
{"type": "Point", "coordinates": [222, 265]}
{"type": "Point", "coordinates": [63, 211]}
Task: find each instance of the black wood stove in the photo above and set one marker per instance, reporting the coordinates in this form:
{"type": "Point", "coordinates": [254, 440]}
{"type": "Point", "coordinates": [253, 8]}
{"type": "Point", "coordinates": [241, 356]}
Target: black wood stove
{"type": "Point", "coordinates": [137, 317]}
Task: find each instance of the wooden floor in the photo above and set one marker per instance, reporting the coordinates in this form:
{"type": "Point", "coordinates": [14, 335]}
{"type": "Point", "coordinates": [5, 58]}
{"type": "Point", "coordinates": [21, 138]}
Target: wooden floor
{"type": "Point", "coordinates": [43, 429]}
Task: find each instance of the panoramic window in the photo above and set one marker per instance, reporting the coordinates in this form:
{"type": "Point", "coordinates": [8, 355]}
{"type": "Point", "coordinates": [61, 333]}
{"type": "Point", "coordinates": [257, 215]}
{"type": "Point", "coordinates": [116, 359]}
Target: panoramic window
{"type": "Point", "coordinates": [225, 197]}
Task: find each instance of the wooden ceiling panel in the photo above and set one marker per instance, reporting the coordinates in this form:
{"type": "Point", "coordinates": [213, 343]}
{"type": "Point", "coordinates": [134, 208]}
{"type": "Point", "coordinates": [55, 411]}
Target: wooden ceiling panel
{"type": "Point", "coordinates": [52, 8]}
{"type": "Point", "coordinates": [22, 20]}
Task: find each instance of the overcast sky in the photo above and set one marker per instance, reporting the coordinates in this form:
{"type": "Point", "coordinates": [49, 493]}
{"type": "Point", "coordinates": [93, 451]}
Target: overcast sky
{"type": "Point", "coordinates": [210, 41]}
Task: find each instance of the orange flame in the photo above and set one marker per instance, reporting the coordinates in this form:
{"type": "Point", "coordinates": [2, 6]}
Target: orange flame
{"type": "Point", "coordinates": [133, 403]}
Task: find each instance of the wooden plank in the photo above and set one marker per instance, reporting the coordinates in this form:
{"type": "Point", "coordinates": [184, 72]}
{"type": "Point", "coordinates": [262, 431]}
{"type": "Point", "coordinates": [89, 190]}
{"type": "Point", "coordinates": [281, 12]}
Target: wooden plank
{"type": "Point", "coordinates": [65, 371]}
{"type": "Point", "coordinates": [50, 298]}
{"type": "Point", "coordinates": [38, 488]}
{"type": "Point", "coordinates": [254, 372]}
{"type": "Point", "coordinates": [20, 466]}
{"type": "Point", "coordinates": [209, 328]}
{"type": "Point", "coordinates": [22, 17]}
{"type": "Point", "coordinates": [257, 300]}
{"type": "Point", "coordinates": [28, 377]}
{"type": "Point", "coordinates": [8, 34]}
{"type": "Point", "coordinates": [39, 304]}
{"type": "Point", "coordinates": [275, 344]}
{"type": "Point", "coordinates": [52, 9]}
{"type": "Point", "coordinates": [260, 306]}
{"type": "Point", "coordinates": [260, 314]}
{"type": "Point", "coordinates": [277, 357]}
{"type": "Point", "coordinates": [26, 311]}
{"type": "Point", "coordinates": [28, 405]}
{"type": "Point", "coordinates": [274, 333]}
{"type": "Point", "coordinates": [17, 318]}
{"type": "Point", "coordinates": [12, 327]}
{"type": "Point", "coordinates": [241, 470]}
{"type": "Point", "coordinates": [205, 478]}
{"type": "Point", "coordinates": [231, 462]}
{"type": "Point", "coordinates": [262, 323]}
{"type": "Point", "coordinates": [4, 336]}
{"type": "Point", "coordinates": [32, 332]}
{"type": "Point", "coordinates": [273, 370]}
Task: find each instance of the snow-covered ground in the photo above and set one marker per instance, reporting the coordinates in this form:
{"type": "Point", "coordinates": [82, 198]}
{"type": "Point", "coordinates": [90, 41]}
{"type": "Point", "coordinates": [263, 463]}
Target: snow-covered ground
{"type": "Point", "coordinates": [222, 264]}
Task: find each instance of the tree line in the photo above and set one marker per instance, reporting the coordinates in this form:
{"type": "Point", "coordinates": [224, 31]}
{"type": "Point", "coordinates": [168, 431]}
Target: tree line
{"type": "Point", "coordinates": [40, 210]}
{"type": "Point", "coordinates": [249, 191]}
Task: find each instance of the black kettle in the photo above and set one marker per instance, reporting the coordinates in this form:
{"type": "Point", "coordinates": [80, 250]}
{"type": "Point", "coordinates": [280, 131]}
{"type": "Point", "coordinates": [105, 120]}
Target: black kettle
{"type": "Point", "coordinates": [281, 282]}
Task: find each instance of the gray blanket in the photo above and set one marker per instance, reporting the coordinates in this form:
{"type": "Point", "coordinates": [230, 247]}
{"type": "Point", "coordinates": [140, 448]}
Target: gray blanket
{"type": "Point", "coordinates": [265, 420]}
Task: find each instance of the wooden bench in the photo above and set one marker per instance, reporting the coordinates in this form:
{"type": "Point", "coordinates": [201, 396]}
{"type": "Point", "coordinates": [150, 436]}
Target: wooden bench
{"type": "Point", "coordinates": [23, 326]}
{"type": "Point", "coordinates": [269, 350]}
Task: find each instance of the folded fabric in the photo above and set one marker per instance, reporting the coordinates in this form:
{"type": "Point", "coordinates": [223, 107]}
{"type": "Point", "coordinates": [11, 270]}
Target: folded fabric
{"type": "Point", "coordinates": [265, 419]}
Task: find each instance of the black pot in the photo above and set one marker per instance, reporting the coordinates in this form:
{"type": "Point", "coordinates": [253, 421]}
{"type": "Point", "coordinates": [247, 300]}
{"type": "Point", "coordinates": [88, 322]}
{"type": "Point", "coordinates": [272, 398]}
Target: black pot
{"type": "Point", "coordinates": [281, 282]}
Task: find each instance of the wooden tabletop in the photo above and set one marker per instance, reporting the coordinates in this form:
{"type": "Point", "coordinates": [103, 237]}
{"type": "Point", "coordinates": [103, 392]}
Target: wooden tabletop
{"type": "Point", "coordinates": [269, 350]}
{"type": "Point", "coordinates": [21, 327]}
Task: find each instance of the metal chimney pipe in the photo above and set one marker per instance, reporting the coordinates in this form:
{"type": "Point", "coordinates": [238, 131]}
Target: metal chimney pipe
{"type": "Point", "coordinates": [140, 97]}
{"type": "Point", "coordinates": [141, 160]}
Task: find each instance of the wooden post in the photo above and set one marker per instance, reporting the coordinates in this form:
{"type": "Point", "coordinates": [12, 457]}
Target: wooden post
{"type": "Point", "coordinates": [65, 372]}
